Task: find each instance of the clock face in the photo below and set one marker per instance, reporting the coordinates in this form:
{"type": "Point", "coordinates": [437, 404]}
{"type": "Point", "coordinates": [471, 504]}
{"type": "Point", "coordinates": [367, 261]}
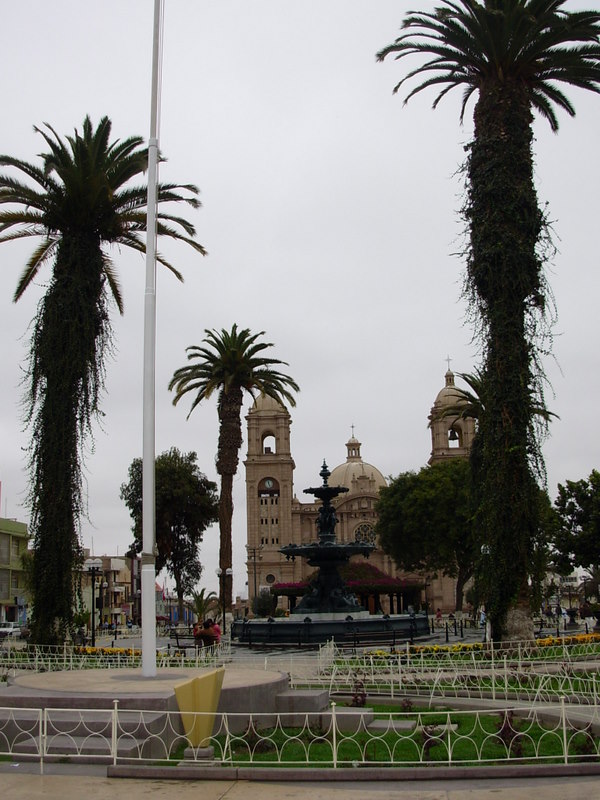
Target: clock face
{"type": "Point", "coordinates": [269, 483]}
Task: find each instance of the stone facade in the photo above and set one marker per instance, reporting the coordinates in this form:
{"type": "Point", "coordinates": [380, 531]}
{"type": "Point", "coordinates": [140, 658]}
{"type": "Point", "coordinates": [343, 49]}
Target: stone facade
{"type": "Point", "coordinates": [13, 597]}
{"type": "Point", "coordinates": [275, 516]}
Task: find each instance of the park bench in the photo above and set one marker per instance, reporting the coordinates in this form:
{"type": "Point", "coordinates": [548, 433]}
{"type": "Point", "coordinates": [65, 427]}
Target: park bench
{"type": "Point", "coordinates": [375, 639]}
{"type": "Point", "coordinates": [184, 638]}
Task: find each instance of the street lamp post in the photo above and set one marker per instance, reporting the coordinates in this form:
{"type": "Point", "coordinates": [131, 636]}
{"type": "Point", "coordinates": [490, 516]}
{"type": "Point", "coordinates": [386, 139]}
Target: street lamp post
{"type": "Point", "coordinates": [138, 611]}
{"type": "Point", "coordinates": [254, 554]}
{"type": "Point", "coordinates": [103, 594]}
{"type": "Point", "coordinates": [486, 551]}
{"type": "Point", "coordinates": [93, 566]}
{"type": "Point", "coordinates": [223, 575]}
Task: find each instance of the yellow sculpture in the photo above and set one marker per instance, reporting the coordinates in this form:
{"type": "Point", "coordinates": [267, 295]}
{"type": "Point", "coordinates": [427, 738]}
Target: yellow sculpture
{"type": "Point", "coordinates": [200, 694]}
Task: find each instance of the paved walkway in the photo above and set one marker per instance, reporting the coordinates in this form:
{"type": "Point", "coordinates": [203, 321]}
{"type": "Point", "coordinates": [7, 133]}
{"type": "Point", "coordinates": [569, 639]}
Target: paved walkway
{"type": "Point", "coordinates": [61, 782]}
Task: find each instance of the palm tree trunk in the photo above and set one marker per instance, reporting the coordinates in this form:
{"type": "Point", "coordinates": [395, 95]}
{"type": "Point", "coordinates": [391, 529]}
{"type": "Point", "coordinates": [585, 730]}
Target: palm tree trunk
{"type": "Point", "coordinates": [225, 542]}
{"type": "Point", "coordinates": [230, 441]}
{"type": "Point", "coordinates": [462, 577]}
{"type": "Point", "coordinates": [505, 278]}
{"type": "Point", "coordinates": [179, 593]}
{"type": "Point", "coordinates": [68, 343]}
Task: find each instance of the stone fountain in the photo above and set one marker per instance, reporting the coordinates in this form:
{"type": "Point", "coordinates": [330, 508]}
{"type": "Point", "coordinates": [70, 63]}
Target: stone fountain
{"type": "Point", "coordinates": [329, 610]}
{"type": "Point", "coordinates": [329, 594]}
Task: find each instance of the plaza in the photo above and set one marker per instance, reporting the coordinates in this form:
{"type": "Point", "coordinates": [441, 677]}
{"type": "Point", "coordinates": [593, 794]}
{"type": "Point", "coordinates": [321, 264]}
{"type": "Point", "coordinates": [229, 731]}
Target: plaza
{"type": "Point", "coordinates": [478, 709]}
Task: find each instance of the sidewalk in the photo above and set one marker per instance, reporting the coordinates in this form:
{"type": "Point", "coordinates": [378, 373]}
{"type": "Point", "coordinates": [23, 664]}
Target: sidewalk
{"type": "Point", "coordinates": [68, 781]}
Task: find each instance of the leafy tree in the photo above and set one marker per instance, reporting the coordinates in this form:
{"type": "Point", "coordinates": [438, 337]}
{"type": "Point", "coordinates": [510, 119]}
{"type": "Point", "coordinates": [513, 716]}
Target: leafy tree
{"type": "Point", "coordinates": [589, 588]}
{"type": "Point", "coordinates": [511, 56]}
{"type": "Point", "coordinates": [79, 201]}
{"type": "Point", "coordinates": [230, 363]}
{"type": "Point", "coordinates": [425, 522]}
{"type": "Point", "coordinates": [186, 504]}
{"type": "Point", "coordinates": [577, 541]}
{"type": "Point", "coordinates": [264, 604]}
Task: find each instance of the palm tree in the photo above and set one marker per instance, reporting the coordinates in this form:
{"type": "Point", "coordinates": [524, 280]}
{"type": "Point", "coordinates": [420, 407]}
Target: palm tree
{"type": "Point", "coordinates": [204, 603]}
{"type": "Point", "coordinates": [230, 363]}
{"type": "Point", "coordinates": [78, 202]}
{"type": "Point", "coordinates": [512, 56]}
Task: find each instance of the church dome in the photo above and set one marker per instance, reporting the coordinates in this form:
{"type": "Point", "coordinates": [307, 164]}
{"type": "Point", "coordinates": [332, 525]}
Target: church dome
{"type": "Point", "coordinates": [449, 395]}
{"type": "Point", "coordinates": [265, 403]}
{"type": "Point", "coordinates": [358, 476]}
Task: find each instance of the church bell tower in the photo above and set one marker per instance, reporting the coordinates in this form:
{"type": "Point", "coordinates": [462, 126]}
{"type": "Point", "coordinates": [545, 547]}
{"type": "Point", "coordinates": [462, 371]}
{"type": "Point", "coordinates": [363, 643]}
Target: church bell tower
{"type": "Point", "coordinates": [269, 488]}
{"type": "Point", "coordinates": [451, 434]}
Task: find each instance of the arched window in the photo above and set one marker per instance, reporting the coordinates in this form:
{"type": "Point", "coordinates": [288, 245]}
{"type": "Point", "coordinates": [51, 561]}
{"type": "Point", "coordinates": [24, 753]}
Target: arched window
{"type": "Point", "coordinates": [364, 533]}
{"type": "Point", "coordinates": [269, 444]}
{"type": "Point", "coordinates": [454, 436]}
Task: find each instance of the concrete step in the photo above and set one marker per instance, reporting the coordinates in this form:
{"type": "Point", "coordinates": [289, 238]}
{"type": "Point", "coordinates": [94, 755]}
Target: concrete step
{"type": "Point", "coordinates": [404, 725]}
{"type": "Point", "coordinates": [302, 700]}
{"type": "Point", "coordinates": [86, 722]}
{"type": "Point", "coordinates": [396, 725]}
{"type": "Point", "coordinates": [349, 719]}
{"type": "Point", "coordinates": [94, 745]}
{"type": "Point", "coordinates": [148, 735]}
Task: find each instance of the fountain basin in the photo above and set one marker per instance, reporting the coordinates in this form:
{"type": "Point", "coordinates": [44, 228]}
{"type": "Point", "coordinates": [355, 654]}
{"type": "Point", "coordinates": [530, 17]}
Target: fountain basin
{"type": "Point", "coordinates": [318, 628]}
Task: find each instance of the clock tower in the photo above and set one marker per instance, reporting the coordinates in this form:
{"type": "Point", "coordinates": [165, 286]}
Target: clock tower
{"type": "Point", "coordinates": [269, 489]}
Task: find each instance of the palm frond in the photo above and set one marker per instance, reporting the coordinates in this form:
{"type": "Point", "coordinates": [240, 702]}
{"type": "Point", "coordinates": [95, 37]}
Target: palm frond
{"type": "Point", "coordinates": [43, 252]}
{"type": "Point", "coordinates": [470, 42]}
{"type": "Point", "coordinates": [83, 191]}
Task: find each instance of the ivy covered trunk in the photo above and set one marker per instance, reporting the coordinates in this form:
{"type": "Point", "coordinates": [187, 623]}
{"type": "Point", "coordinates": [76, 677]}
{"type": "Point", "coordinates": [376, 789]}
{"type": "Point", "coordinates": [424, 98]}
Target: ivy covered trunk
{"type": "Point", "coordinates": [230, 441]}
{"type": "Point", "coordinates": [504, 278]}
{"type": "Point", "coordinates": [70, 334]}
{"type": "Point", "coordinates": [462, 577]}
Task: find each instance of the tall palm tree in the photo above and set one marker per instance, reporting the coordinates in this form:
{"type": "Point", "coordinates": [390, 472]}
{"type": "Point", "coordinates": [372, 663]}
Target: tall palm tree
{"type": "Point", "coordinates": [79, 201]}
{"type": "Point", "coordinates": [230, 363]}
{"type": "Point", "coordinates": [511, 56]}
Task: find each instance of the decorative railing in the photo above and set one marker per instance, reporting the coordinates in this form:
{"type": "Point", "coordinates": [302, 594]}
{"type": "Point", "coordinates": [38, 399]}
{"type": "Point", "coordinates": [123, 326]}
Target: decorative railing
{"type": "Point", "coordinates": [336, 738]}
{"type": "Point", "coordinates": [542, 673]}
{"type": "Point", "coordinates": [532, 705]}
{"type": "Point", "coordinates": [40, 658]}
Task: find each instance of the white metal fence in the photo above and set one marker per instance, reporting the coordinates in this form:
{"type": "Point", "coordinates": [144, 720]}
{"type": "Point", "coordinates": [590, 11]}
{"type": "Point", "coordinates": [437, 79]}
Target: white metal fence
{"type": "Point", "coordinates": [339, 737]}
{"type": "Point", "coordinates": [499, 681]}
{"type": "Point", "coordinates": [550, 694]}
{"type": "Point", "coordinates": [521, 673]}
{"type": "Point", "coordinates": [40, 658]}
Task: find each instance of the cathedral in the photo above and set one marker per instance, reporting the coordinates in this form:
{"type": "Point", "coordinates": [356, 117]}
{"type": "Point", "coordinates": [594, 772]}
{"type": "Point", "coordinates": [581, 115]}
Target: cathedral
{"type": "Point", "coordinates": [276, 517]}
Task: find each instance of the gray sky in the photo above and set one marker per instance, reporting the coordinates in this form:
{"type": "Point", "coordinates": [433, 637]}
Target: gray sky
{"type": "Point", "coordinates": [330, 217]}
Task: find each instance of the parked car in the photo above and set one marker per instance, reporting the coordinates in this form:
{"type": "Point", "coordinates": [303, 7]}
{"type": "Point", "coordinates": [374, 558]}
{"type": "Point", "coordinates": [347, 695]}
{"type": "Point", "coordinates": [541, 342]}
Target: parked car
{"type": "Point", "coordinates": [10, 629]}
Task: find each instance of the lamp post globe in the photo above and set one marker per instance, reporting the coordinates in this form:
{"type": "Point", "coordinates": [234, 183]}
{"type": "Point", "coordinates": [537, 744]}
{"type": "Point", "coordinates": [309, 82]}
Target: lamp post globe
{"type": "Point", "coordinates": [222, 576]}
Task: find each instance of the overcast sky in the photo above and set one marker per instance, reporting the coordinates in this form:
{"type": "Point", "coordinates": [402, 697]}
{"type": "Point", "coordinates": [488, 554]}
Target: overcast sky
{"type": "Point", "coordinates": [330, 217]}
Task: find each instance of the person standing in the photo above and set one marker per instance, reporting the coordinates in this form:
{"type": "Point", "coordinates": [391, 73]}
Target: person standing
{"type": "Point", "coordinates": [216, 629]}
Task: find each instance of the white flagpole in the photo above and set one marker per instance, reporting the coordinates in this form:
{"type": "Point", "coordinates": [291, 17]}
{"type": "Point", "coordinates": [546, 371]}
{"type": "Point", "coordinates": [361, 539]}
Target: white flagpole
{"type": "Point", "coordinates": [149, 413]}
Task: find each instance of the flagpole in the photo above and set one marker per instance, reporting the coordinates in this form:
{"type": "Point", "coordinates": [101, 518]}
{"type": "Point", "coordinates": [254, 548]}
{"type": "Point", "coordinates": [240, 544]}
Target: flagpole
{"type": "Point", "coordinates": [149, 387]}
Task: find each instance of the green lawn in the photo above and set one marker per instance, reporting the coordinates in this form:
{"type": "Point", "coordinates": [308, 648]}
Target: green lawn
{"type": "Point", "coordinates": [484, 738]}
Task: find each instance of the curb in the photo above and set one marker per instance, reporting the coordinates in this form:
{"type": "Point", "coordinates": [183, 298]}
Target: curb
{"type": "Point", "coordinates": [327, 775]}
